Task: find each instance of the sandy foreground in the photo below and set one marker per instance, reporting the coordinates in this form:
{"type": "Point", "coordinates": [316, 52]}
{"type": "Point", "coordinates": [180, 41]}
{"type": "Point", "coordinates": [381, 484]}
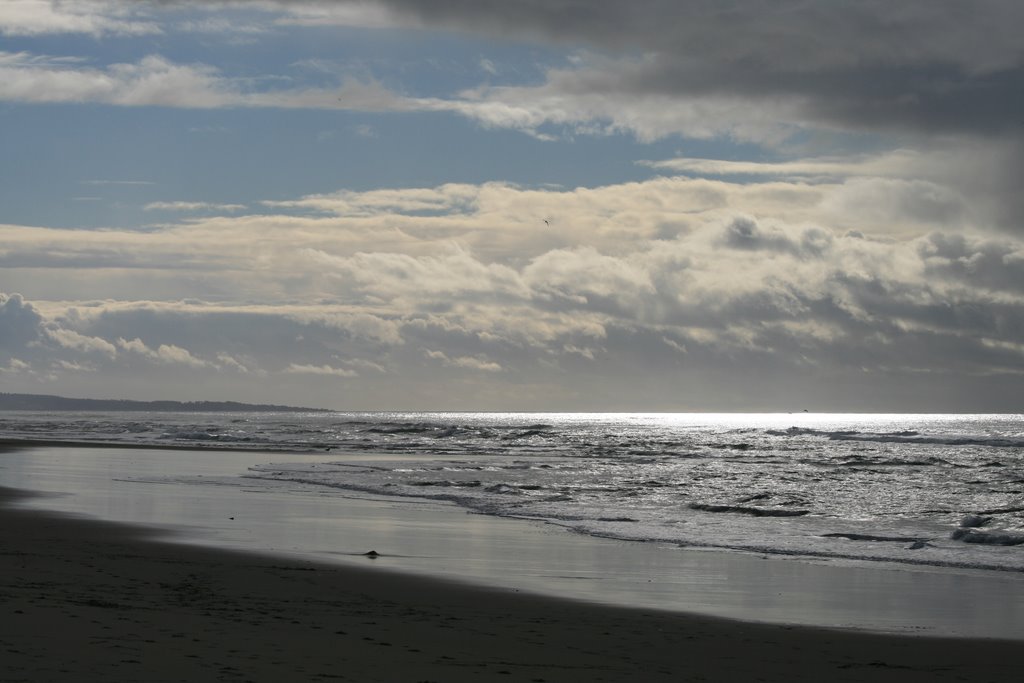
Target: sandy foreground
{"type": "Point", "coordinates": [83, 600]}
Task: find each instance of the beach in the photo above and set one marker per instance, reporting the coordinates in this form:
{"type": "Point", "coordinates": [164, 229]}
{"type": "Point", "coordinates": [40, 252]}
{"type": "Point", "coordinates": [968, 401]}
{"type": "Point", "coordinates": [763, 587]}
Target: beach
{"type": "Point", "coordinates": [86, 599]}
{"type": "Point", "coordinates": [427, 342]}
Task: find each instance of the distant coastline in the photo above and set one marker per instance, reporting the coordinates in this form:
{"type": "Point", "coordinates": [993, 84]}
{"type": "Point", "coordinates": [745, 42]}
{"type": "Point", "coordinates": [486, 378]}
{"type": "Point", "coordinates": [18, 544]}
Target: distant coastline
{"type": "Point", "coordinates": [47, 402]}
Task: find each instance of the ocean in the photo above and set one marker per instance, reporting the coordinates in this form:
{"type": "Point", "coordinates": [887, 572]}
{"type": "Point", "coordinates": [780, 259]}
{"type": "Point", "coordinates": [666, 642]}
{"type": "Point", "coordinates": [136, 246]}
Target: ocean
{"type": "Point", "coordinates": [923, 490]}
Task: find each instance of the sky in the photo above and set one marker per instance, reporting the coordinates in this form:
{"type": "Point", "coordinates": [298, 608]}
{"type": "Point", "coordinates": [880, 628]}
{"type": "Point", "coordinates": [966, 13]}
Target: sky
{"type": "Point", "coordinates": [550, 205]}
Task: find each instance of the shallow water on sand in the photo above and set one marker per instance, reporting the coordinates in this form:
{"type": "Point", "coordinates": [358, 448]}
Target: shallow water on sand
{"type": "Point", "coordinates": [935, 490]}
{"type": "Point", "coordinates": [205, 497]}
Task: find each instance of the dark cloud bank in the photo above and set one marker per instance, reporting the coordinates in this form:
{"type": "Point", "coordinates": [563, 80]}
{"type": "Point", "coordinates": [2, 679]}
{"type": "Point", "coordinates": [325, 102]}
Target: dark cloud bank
{"type": "Point", "coordinates": [923, 74]}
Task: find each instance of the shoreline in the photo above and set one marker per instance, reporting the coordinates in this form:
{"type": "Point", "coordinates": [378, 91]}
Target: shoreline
{"type": "Point", "coordinates": [213, 507]}
{"type": "Point", "coordinates": [87, 599]}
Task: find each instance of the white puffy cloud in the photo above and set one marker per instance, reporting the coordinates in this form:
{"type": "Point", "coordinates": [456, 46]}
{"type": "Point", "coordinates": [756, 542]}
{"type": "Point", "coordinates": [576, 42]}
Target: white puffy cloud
{"type": "Point", "coordinates": [20, 322]}
{"type": "Point", "coordinates": [583, 274]}
{"type": "Point", "coordinates": [385, 275]}
{"type": "Point", "coordinates": [164, 353]}
{"type": "Point", "coordinates": [135, 346]}
{"type": "Point", "coordinates": [74, 340]}
{"type": "Point", "coordinates": [500, 295]}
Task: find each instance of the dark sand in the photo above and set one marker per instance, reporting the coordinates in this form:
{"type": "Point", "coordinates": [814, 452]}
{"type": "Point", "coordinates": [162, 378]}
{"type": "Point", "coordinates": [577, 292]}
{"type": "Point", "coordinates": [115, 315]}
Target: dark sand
{"type": "Point", "coordinates": [83, 600]}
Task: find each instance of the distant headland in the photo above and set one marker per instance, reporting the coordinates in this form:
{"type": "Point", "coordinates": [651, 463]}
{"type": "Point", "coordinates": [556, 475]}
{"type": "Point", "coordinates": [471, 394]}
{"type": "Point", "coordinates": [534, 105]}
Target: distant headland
{"type": "Point", "coordinates": [45, 402]}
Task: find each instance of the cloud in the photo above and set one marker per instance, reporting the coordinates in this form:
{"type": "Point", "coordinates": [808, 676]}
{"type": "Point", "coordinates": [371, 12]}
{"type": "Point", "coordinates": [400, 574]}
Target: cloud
{"type": "Point", "coordinates": [169, 353]}
{"type": "Point", "coordinates": [117, 182]}
{"type": "Point", "coordinates": [487, 66]}
{"type": "Point", "coordinates": [71, 366]}
{"type": "Point", "coordinates": [192, 206]}
{"type": "Point", "coordinates": [994, 264]}
{"type": "Point", "coordinates": [933, 76]}
{"type": "Point", "coordinates": [737, 296]}
{"type": "Point", "coordinates": [940, 83]}
{"type": "Point", "coordinates": [237, 32]}
{"type": "Point", "coordinates": [917, 64]}
{"type": "Point", "coordinates": [391, 275]}
{"type": "Point", "coordinates": [319, 13]}
{"type": "Point", "coordinates": [226, 361]}
{"type": "Point", "coordinates": [20, 323]}
{"type": "Point", "coordinates": [327, 370]}
{"type": "Point", "coordinates": [586, 277]}
{"type": "Point", "coordinates": [590, 98]}
{"type": "Point", "coordinates": [446, 198]}
{"type": "Point", "coordinates": [755, 71]}
{"type": "Point", "coordinates": [895, 163]}
{"type": "Point", "coordinates": [465, 362]}
{"type": "Point", "coordinates": [15, 367]}
{"type": "Point", "coordinates": [364, 130]}
{"type": "Point", "coordinates": [157, 81]}
{"type": "Point", "coordinates": [164, 353]}
{"type": "Point", "coordinates": [92, 17]}
{"type": "Point", "coordinates": [852, 278]}
{"type": "Point", "coordinates": [466, 291]}
{"type": "Point", "coordinates": [73, 340]}
{"type": "Point", "coordinates": [470, 243]}
{"type": "Point", "coordinates": [953, 183]}
{"type": "Point", "coordinates": [152, 81]}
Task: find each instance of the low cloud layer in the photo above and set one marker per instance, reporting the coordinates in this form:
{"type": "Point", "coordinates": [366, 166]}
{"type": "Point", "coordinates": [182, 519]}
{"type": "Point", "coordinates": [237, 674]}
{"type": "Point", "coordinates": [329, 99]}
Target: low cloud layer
{"type": "Point", "coordinates": [647, 294]}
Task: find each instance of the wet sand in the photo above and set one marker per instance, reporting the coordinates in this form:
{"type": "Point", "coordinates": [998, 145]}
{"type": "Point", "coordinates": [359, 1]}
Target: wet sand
{"type": "Point", "coordinates": [88, 600]}
{"type": "Point", "coordinates": [199, 497]}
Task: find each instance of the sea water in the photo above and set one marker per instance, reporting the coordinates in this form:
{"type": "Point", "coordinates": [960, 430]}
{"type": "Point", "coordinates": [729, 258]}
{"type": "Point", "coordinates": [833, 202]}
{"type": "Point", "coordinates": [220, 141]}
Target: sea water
{"type": "Point", "coordinates": [925, 490]}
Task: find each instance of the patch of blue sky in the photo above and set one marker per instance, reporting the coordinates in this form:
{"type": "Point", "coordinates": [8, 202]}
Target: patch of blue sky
{"type": "Point", "coordinates": [245, 156]}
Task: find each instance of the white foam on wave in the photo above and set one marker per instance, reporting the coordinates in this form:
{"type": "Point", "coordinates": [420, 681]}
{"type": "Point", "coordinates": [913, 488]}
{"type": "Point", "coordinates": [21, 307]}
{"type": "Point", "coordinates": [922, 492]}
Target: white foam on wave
{"type": "Point", "coordinates": [827, 486]}
{"type": "Point", "coordinates": [588, 497]}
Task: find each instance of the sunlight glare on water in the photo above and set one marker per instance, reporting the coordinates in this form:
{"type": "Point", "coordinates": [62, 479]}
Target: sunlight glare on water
{"type": "Point", "coordinates": [895, 487]}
